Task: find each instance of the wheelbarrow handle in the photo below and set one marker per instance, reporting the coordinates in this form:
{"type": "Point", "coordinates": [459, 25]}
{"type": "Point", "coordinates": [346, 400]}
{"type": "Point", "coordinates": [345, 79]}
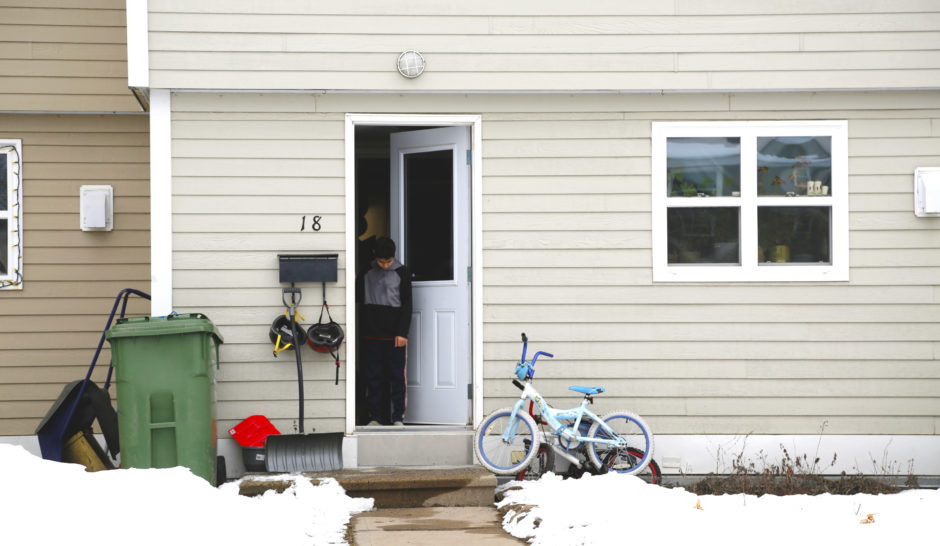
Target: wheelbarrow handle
{"type": "Point", "coordinates": [122, 294]}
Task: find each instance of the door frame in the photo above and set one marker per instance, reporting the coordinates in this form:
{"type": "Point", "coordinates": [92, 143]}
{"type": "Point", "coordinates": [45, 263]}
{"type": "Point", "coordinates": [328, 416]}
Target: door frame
{"type": "Point", "coordinates": [475, 122]}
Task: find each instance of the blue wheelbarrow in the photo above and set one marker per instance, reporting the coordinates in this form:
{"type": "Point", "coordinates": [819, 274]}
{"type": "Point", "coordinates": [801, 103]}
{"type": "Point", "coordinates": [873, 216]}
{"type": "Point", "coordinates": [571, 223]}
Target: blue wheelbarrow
{"type": "Point", "coordinates": [81, 402]}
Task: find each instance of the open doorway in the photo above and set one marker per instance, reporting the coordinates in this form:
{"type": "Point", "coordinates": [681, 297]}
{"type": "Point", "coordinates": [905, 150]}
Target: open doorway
{"type": "Point", "coordinates": [412, 183]}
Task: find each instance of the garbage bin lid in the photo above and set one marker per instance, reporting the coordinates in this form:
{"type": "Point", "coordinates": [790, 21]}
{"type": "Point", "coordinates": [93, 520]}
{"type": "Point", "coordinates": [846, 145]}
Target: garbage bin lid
{"type": "Point", "coordinates": [187, 323]}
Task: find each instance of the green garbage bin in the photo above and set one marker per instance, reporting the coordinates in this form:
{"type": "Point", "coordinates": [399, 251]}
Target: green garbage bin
{"type": "Point", "coordinates": [165, 369]}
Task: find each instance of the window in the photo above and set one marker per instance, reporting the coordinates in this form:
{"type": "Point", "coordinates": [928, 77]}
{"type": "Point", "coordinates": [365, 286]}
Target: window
{"type": "Point", "coordinates": [750, 201]}
{"type": "Point", "coordinates": [11, 264]}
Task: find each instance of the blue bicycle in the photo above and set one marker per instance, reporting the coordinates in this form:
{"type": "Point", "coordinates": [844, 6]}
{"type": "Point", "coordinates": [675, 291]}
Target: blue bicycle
{"type": "Point", "coordinates": [507, 440]}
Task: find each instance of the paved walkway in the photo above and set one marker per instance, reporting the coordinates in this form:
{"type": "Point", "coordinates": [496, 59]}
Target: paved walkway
{"type": "Point", "coordinates": [430, 526]}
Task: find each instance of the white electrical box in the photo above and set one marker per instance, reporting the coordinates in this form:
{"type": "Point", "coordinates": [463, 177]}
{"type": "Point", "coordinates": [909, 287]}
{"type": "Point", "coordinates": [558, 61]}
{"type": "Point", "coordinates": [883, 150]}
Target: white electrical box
{"type": "Point", "coordinates": [97, 208]}
{"type": "Point", "coordinates": [927, 191]}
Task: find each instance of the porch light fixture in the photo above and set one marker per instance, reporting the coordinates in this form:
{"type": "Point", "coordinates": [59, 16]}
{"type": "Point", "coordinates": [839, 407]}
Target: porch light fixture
{"type": "Point", "coordinates": [411, 64]}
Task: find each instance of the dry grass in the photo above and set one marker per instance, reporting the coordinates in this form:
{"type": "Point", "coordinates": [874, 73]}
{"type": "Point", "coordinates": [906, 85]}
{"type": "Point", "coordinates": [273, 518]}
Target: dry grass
{"type": "Point", "coordinates": [795, 476]}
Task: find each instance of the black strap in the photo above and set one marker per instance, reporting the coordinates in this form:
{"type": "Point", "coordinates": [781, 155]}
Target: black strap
{"type": "Point", "coordinates": [320, 321]}
{"type": "Point", "coordinates": [336, 358]}
{"type": "Point", "coordinates": [328, 315]}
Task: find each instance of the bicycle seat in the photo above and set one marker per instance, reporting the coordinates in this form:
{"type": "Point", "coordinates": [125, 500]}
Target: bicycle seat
{"type": "Point", "coordinates": [586, 390]}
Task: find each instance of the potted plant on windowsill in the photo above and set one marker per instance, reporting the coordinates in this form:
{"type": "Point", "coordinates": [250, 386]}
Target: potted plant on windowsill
{"type": "Point", "coordinates": [679, 186]}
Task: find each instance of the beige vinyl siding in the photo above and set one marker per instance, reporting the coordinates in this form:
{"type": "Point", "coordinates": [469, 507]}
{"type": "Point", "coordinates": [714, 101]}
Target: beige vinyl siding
{"type": "Point", "coordinates": [567, 259]}
{"type": "Point", "coordinates": [547, 45]}
{"type": "Point", "coordinates": [64, 56]}
{"type": "Point", "coordinates": [850, 358]}
{"type": "Point", "coordinates": [246, 169]}
{"type": "Point", "coordinates": [49, 330]}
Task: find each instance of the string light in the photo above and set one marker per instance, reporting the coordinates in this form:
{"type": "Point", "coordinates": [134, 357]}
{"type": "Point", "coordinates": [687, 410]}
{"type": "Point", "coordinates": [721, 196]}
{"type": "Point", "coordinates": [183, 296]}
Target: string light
{"type": "Point", "coordinates": [14, 208]}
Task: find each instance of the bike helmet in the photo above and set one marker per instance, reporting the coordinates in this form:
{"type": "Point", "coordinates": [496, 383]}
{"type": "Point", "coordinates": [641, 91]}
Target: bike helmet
{"type": "Point", "coordinates": [282, 335]}
{"type": "Point", "coordinates": [325, 337]}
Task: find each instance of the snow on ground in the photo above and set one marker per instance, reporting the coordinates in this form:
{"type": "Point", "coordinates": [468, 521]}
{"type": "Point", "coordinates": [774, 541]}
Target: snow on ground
{"type": "Point", "coordinates": [56, 503]}
{"type": "Point", "coordinates": [618, 509]}
{"type": "Point", "coordinates": [45, 502]}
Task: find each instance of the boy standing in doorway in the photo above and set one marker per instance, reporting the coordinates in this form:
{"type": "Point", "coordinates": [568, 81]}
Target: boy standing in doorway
{"type": "Point", "coordinates": [385, 325]}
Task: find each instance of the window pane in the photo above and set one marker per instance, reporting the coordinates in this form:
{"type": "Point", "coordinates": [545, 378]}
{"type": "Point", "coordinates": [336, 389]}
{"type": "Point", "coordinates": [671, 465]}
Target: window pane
{"type": "Point", "coordinates": [794, 165]}
{"type": "Point", "coordinates": [794, 235]}
{"type": "Point", "coordinates": [3, 181]}
{"type": "Point", "coordinates": [703, 166]}
{"type": "Point", "coordinates": [706, 235]}
{"type": "Point", "coordinates": [3, 247]}
{"type": "Point", "coordinates": [429, 215]}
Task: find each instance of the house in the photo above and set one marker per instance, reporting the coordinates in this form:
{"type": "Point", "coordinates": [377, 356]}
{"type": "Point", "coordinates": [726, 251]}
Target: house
{"type": "Point", "coordinates": [706, 207]}
{"type": "Point", "coordinates": [578, 140]}
{"type": "Point", "coordinates": [67, 121]}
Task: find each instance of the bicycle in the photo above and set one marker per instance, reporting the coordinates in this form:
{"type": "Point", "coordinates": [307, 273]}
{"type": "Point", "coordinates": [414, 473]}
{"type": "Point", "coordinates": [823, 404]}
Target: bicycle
{"type": "Point", "coordinates": [544, 460]}
{"type": "Point", "coordinates": [508, 439]}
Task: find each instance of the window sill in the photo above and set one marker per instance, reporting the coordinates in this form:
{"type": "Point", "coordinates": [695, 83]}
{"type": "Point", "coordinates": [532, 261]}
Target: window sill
{"type": "Point", "coordinates": [786, 272]}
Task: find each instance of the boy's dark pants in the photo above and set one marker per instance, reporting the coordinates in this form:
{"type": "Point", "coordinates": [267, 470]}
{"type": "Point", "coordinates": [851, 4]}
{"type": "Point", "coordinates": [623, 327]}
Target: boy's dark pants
{"type": "Point", "coordinates": [385, 375]}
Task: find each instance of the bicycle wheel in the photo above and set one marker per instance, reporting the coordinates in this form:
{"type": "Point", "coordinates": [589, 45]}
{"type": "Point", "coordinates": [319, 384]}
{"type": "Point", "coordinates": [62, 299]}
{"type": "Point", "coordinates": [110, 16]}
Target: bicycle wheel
{"type": "Point", "coordinates": [629, 459]}
{"type": "Point", "coordinates": [506, 456]}
{"type": "Point", "coordinates": [544, 461]}
{"type": "Point", "coordinates": [629, 426]}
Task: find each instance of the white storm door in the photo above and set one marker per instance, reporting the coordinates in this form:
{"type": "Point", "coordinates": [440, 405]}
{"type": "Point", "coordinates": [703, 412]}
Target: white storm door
{"type": "Point", "coordinates": [430, 222]}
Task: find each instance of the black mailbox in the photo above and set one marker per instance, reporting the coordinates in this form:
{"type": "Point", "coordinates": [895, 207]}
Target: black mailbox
{"type": "Point", "coordinates": [307, 267]}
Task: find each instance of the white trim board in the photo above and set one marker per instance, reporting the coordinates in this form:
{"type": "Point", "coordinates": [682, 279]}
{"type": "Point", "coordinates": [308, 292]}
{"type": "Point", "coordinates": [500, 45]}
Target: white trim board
{"type": "Point", "coordinates": [138, 44]}
{"type": "Point", "coordinates": [71, 113]}
{"type": "Point", "coordinates": [550, 91]}
{"type": "Point", "coordinates": [161, 204]}
{"type": "Point", "coordinates": [476, 241]}
{"type": "Point", "coordinates": [867, 454]}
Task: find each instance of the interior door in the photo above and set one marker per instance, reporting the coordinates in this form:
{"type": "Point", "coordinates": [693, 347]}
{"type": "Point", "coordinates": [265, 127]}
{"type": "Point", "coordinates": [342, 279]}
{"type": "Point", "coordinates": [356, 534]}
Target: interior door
{"type": "Point", "coordinates": [430, 222]}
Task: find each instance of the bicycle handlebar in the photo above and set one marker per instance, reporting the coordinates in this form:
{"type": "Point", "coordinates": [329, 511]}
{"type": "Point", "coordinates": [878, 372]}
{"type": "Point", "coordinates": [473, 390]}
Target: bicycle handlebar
{"type": "Point", "coordinates": [536, 357]}
{"type": "Point", "coordinates": [525, 346]}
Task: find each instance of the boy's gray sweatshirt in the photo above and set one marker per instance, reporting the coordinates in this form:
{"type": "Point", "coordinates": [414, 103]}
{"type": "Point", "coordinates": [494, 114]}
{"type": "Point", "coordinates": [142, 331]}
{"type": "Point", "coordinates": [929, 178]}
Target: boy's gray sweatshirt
{"type": "Point", "coordinates": [387, 301]}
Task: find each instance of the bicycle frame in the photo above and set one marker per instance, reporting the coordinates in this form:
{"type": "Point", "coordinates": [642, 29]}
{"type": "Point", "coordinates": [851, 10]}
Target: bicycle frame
{"type": "Point", "coordinates": [555, 416]}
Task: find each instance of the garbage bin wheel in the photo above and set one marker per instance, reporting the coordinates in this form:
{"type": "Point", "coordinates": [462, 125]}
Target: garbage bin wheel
{"type": "Point", "coordinates": [220, 473]}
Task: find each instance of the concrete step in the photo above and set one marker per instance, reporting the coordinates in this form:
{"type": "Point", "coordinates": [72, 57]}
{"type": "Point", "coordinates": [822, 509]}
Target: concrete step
{"type": "Point", "coordinates": [415, 445]}
{"type": "Point", "coordinates": [399, 487]}
{"type": "Point", "coordinates": [431, 526]}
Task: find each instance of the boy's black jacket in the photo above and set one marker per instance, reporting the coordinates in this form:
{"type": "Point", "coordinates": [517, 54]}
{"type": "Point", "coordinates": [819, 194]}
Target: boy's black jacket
{"type": "Point", "coordinates": [386, 310]}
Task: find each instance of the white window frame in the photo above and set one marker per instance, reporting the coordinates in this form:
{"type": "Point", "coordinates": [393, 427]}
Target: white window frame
{"type": "Point", "coordinates": [13, 214]}
{"type": "Point", "coordinates": [749, 270]}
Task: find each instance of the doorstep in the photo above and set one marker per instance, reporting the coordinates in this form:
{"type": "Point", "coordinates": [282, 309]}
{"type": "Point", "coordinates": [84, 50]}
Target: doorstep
{"type": "Point", "coordinates": [397, 486]}
{"type": "Point", "coordinates": [414, 445]}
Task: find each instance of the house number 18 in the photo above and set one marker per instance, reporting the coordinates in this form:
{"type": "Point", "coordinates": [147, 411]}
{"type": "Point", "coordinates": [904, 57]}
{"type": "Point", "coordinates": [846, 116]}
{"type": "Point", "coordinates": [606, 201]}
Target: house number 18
{"type": "Point", "coordinates": [314, 223]}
